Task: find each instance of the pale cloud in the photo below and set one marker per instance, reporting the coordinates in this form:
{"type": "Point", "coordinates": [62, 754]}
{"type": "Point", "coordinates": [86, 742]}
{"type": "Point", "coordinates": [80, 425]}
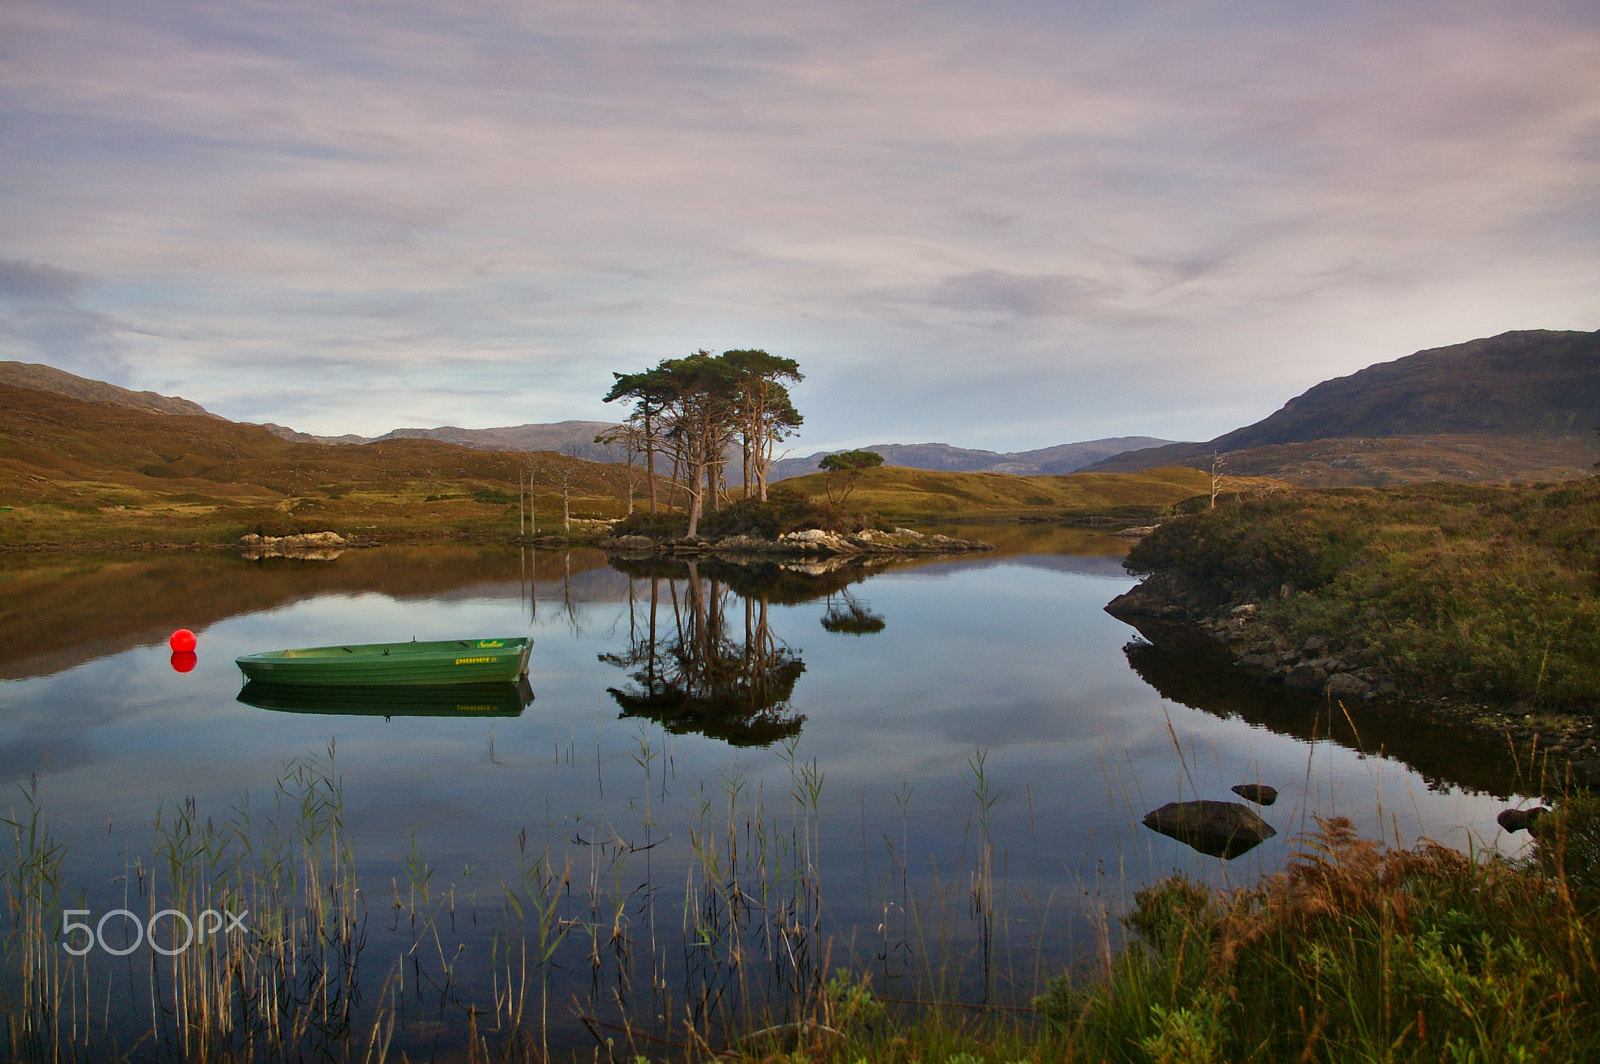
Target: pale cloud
{"type": "Point", "coordinates": [1061, 221]}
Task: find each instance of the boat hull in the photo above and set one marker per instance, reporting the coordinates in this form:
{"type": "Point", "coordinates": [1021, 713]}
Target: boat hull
{"type": "Point", "coordinates": [440, 662]}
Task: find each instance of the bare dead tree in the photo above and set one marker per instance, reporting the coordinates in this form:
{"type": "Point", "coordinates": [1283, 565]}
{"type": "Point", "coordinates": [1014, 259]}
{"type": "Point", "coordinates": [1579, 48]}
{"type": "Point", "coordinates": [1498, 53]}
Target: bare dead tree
{"type": "Point", "coordinates": [1217, 462]}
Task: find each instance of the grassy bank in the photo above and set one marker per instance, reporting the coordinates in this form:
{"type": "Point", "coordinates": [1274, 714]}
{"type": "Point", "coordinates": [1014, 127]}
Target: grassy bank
{"type": "Point", "coordinates": [1488, 592]}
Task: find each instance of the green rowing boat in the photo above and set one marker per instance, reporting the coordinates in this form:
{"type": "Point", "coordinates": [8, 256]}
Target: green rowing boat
{"type": "Point", "coordinates": [447, 661]}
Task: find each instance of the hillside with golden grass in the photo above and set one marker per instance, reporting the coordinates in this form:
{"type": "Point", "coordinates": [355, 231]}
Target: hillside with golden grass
{"type": "Point", "coordinates": [80, 472]}
{"type": "Point", "coordinates": [86, 473]}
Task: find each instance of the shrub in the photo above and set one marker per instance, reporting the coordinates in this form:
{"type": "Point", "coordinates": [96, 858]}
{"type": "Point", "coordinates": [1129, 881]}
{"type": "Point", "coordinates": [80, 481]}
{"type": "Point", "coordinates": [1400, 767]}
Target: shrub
{"type": "Point", "coordinates": [1353, 953]}
{"type": "Point", "coordinates": [784, 511]}
{"type": "Point", "coordinates": [656, 525]}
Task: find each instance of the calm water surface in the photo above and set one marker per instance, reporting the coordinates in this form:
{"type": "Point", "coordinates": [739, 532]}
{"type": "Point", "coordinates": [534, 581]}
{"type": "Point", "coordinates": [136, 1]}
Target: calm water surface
{"type": "Point", "coordinates": [958, 752]}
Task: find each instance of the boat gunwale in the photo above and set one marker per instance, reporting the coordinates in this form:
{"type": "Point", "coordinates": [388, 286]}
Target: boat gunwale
{"type": "Point", "coordinates": [392, 664]}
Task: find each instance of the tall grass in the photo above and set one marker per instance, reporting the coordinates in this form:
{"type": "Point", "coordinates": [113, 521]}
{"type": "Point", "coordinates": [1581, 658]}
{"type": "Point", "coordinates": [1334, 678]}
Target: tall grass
{"type": "Point", "coordinates": [1353, 952]}
{"type": "Point", "coordinates": [280, 980]}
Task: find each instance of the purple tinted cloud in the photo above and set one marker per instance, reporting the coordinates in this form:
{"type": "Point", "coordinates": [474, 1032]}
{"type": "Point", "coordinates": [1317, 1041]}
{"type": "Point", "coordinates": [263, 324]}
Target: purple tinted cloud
{"type": "Point", "coordinates": [1073, 220]}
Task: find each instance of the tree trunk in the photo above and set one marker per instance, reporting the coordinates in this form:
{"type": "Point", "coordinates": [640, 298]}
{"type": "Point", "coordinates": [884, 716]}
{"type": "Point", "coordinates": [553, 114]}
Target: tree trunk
{"type": "Point", "coordinates": [650, 459]}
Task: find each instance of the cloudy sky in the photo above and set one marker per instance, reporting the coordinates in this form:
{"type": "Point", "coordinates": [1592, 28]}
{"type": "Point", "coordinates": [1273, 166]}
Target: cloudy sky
{"type": "Point", "coordinates": [1002, 225]}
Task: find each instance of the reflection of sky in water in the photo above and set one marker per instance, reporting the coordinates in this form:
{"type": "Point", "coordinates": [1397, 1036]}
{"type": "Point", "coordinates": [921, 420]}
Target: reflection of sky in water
{"type": "Point", "coordinates": [1015, 659]}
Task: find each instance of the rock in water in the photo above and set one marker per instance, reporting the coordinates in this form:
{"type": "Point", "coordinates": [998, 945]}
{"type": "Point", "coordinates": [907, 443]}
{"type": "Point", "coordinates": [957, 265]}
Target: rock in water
{"type": "Point", "coordinates": [1221, 829]}
{"type": "Point", "coordinates": [1517, 819]}
{"type": "Point", "coordinates": [1258, 793]}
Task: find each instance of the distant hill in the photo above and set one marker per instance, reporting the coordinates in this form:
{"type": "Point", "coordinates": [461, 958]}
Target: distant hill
{"type": "Point", "coordinates": [573, 438]}
{"type": "Point", "coordinates": [1062, 458]}
{"type": "Point", "coordinates": [283, 432]}
{"type": "Point", "coordinates": [49, 379]}
{"type": "Point", "coordinates": [576, 438]}
{"type": "Point", "coordinates": [1515, 406]}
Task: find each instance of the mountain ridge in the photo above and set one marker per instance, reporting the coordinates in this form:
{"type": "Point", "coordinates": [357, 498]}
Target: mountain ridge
{"type": "Point", "coordinates": [575, 438]}
{"type": "Point", "coordinates": [1519, 405]}
{"type": "Point", "coordinates": [1522, 403]}
{"type": "Point", "coordinates": [41, 378]}
{"type": "Point", "coordinates": [943, 457]}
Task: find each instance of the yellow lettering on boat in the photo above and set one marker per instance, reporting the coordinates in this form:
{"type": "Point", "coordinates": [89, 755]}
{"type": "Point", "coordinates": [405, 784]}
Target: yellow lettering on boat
{"type": "Point", "coordinates": [488, 644]}
{"type": "Point", "coordinates": [476, 709]}
{"type": "Point", "coordinates": [474, 661]}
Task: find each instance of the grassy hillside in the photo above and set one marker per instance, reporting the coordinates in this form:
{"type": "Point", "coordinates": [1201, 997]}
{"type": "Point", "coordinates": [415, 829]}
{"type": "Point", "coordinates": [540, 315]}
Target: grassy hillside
{"type": "Point", "coordinates": [77, 472]}
{"type": "Point", "coordinates": [901, 494]}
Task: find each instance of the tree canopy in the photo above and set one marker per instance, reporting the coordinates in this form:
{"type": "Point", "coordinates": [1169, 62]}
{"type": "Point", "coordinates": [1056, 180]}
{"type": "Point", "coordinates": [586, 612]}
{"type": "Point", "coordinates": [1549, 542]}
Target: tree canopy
{"type": "Point", "coordinates": [850, 461]}
{"type": "Point", "coordinates": [846, 467]}
{"type": "Point", "coordinates": [694, 410]}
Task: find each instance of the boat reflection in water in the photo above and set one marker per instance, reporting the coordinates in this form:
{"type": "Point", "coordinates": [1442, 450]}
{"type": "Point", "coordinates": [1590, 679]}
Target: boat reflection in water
{"type": "Point", "coordinates": [433, 700]}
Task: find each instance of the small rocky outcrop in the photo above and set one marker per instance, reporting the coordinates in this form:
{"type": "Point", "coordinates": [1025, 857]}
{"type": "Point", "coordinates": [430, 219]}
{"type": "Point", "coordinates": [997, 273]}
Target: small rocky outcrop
{"type": "Point", "coordinates": [1315, 665]}
{"type": "Point", "coordinates": [814, 542]}
{"type": "Point", "coordinates": [307, 546]}
{"type": "Point", "coordinates": [1258, 793]}
{"type": "Point", "coordinates": [1221, 829]}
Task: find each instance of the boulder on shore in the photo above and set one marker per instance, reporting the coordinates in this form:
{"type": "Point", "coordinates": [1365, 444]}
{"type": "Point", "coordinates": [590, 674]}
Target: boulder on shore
{"type": "Point", "coordinates": [1221, 829]}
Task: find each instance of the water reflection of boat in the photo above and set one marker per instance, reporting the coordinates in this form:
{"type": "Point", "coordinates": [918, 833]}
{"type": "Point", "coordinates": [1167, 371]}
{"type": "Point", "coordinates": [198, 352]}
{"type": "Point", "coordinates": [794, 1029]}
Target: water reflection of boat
{"type": "Point", "coordinates": [445, 661]}
{"type": "Point", "coordinates": [431, 700]}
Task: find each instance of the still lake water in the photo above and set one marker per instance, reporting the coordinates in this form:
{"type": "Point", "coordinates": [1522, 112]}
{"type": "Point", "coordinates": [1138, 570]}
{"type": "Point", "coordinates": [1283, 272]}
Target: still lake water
{"type": "Point", "coordinates": [955, 754]}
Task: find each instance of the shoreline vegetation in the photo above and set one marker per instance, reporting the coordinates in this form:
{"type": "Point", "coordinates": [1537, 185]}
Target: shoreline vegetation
{"type": "Point", "coordinates": [1480, 604]}
{"type": "Point", "coordinates": [1353, 953]}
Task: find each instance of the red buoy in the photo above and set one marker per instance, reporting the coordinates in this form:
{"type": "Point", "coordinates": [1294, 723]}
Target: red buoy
{"type": "Point", "coordinates": [183, 660]}
{"type": "Point", "coordinates": [182, 641]}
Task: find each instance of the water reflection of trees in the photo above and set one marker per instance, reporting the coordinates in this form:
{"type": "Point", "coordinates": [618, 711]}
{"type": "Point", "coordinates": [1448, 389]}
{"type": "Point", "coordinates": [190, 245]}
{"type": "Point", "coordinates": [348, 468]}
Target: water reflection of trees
{"type": "Point", "coordinates": [850, 616]}
{"type": "Point", "coordinates": [1185, 666]}
{"type": "Point", "coordinates": [702, 652]}
{"type": "Point", "coordinates": [695, 669]}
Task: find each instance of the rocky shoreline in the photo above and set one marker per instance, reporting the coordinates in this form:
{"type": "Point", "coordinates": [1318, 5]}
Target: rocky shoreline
{"type": "Point", "coordinates": [1342, 671]}
{"type": "Point", "coordinates": [808, 542]}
